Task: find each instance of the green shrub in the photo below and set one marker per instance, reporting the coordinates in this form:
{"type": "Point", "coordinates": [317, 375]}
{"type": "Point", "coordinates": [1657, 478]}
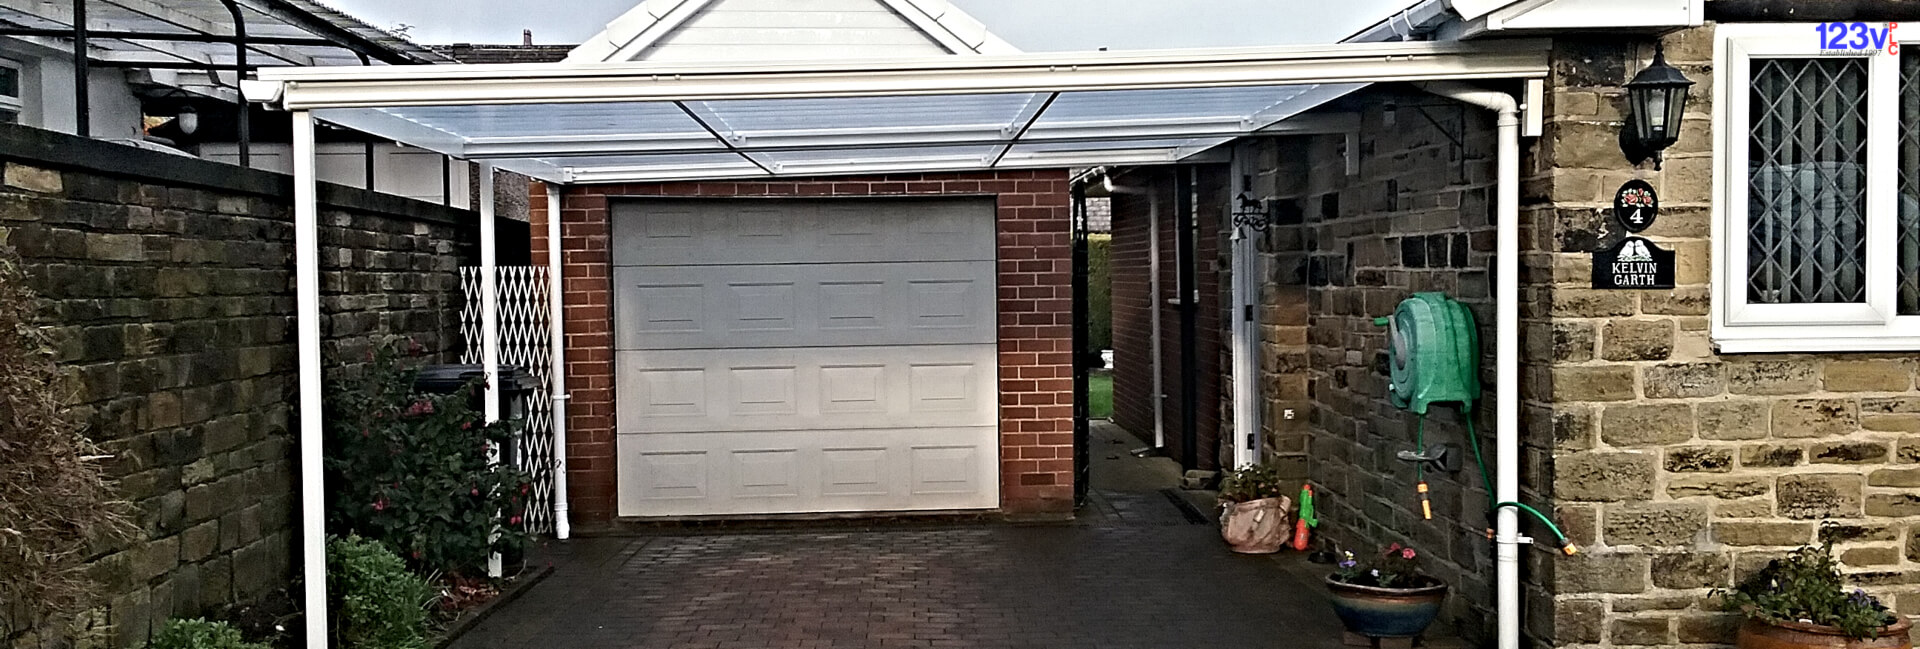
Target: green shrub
{"type": "Point", "coordinates": [411, 471]}
{"type": "Point", "coordinates": [200, 634]}
{"type": "Point", "coordinates": [1254, 482]}
{"type": "Point", "coordinates": [375, 602]}
{"type": "Point", "coordinates": [1099, 292]}
{"type": "Point", "coordinates": [1807, 586]}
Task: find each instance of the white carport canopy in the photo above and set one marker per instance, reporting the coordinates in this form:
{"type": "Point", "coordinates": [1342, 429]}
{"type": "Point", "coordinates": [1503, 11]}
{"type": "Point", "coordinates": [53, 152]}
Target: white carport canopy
{"type": "Point", "coordinates": [638, 122]}
{"type": "Point", "coordinates": [618, 122]}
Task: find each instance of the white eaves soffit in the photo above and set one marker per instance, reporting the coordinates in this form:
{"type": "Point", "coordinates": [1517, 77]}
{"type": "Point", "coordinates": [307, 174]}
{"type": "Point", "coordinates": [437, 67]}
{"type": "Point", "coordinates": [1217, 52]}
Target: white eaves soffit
{"type": "Point", "coordinates": [620, 122]}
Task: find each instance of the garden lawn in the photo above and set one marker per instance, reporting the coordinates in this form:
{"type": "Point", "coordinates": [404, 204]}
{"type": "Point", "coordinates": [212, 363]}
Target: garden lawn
{"type": "Point", "coordinates": [1100, 393]}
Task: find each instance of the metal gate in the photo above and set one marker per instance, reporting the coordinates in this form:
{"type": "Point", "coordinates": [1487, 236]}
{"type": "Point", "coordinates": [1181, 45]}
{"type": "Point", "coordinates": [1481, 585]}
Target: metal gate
{"type": "Point", "coordinates": [526, 343]}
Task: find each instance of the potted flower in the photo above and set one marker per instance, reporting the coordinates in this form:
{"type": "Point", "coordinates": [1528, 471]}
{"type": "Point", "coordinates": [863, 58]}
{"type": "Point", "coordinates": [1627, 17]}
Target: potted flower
{"type": "Point", "coordinates": [1800, 601]}
{"type": "Point", "coordinates": [1387, 597]}
{"type": "Point", "coordinates": [1254, 506]}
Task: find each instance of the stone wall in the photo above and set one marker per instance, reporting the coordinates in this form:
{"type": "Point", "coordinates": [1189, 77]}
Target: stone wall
{"type": "Point", "coordinates": [169, 281]}
{"type": "Point", "coordinates": [1683, 469]}
{"type": "Point", "coordinates": [1347, 248]}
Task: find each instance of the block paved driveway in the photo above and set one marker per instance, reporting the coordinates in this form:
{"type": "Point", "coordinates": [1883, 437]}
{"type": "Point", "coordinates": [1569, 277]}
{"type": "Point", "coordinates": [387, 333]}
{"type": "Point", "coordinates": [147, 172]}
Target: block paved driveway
{"type": "Point", "coordinates": [1133, 571]}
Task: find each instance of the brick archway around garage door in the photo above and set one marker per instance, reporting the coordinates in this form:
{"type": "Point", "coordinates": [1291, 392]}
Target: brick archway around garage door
{"type": "Point", "coordinates": [1033, 232]}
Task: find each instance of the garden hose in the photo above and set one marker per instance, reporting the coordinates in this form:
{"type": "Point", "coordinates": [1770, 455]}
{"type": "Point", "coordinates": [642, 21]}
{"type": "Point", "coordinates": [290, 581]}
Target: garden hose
{"type": "Point", "coordinates": [1473, 438]}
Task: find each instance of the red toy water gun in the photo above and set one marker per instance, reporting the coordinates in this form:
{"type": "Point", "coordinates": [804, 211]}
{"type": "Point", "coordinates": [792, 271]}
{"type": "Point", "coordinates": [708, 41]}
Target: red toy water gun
{"type": "Point", "coordinates": [1306, 520]}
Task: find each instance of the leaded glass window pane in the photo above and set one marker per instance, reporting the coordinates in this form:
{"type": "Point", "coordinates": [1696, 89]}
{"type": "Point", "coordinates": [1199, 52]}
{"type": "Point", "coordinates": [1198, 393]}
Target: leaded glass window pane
{"type": "Point", "coordinates": [1807, 199]}
{"type": "Point", "coordinates": [1907, 251]}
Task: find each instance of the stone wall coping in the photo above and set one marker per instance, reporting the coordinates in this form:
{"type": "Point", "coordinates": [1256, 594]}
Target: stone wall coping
{"type": "Point", "coordinates": [52, 149]}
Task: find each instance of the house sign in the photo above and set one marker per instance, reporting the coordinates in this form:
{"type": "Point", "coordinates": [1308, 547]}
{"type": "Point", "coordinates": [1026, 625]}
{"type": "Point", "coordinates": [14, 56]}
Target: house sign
{"type": "Point", "coordinates": [1634, 263]}
{"type": "Point", "coordinates": [1636, 205]}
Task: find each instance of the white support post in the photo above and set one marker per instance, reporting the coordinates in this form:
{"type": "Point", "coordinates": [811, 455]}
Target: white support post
{"type": "Point", "coordinates": [1243, 345]}
{"type": "Point", "coordinates": [556, 322]}
{"type": "Point", "coordinates": [489, 318]}
{"type": "Point", "coordinates": [306, 291]}
{"type": "Point", "coordinates": [1153, 309]}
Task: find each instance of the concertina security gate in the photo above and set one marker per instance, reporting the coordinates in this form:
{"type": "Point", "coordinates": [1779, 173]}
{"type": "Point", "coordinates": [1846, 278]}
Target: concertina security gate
{"type": "Point", "coordinates": [526, 343]}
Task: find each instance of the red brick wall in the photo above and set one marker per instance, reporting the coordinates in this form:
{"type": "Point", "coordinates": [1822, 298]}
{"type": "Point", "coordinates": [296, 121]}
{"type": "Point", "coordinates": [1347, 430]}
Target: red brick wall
{"type": "Point", "coordinates": [1132, 315]}
{"type": "Point", "coordinates": [1036, 333]}
{"type": "Point", "coordinates": [1133, 306]}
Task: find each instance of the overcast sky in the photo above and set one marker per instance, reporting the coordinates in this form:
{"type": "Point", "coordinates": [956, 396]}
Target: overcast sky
{"type": "Point", "coordinates": [1034, 25]}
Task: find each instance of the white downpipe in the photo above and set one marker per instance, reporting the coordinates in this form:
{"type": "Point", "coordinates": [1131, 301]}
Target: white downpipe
{"type": "Point", "coordinates": [1244, 343]}
{"type": "Point", "coordinates": [556, 322]}
{"type": "Point", "coordinates": [1153, 311]}
{"type": "Point", "coordinates": [1506, 455]}
{"type": "Point", "coordinates": [489, 318]}
{"type": "Point", "coordinates": [306, 296]}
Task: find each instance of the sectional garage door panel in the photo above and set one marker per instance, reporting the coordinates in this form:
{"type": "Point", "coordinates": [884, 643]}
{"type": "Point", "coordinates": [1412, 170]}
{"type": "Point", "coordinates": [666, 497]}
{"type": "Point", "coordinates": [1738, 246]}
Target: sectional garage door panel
{"type": "Point", "coordinates": [805, 356]}
{"type": "Point", "coordinates": [836, 388]}
{"type": "Point", "coordinates": [805, 305]}
{"type": "Point", "coordinates": [807, 471]}
{"type": "Point", "coordinates": [718, 233]}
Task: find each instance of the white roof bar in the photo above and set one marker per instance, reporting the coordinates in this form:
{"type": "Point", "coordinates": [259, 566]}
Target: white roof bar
{"type": "Point", "coordinates": [394, 86]}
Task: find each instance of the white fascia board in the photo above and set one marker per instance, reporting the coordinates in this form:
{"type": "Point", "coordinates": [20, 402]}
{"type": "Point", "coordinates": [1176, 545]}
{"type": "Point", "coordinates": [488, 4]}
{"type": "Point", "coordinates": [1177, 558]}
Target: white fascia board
{"type": "Point", "coordinates": [1473, 9]}
{"type": "Point", "coordinates": [953, 29]}
{"type": "Point", "coordinates": [338, 87]}
{"type": "Point", "coordinates": [1556, 15]}
{"type": "Point", "coordinates": [635, 30]}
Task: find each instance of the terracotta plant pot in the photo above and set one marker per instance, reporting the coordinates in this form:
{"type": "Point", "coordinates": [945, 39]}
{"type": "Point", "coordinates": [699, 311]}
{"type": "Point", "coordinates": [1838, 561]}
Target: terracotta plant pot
{"type": "Point", "coordinates": [1761, 634]}
{"type": "Point", "coordinates": [1385, 612]}
{"type": "Point", "coordinates": [1256, 526]}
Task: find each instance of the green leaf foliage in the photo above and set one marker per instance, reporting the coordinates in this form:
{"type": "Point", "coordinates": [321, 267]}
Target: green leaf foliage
{"type": "Point", "coordinates": [1806, 586]}
{"type": "Point", "coordinates": [1395, 566]}
{"type": "Point", "coordinates": [198, 633]}
{"type": "Point", "coordinates": [374, 600]}
{"type": "Point", "coordinates": [1254, 482]}
{"type": "Point", "coordinates": [412, 470]}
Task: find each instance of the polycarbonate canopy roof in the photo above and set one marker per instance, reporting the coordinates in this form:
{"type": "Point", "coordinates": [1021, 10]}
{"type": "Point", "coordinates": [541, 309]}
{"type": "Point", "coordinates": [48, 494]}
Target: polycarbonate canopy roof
{"type": "Point", "coordinates": [265, 20]}
{"type": "Point", "coordinates": [616, 122]}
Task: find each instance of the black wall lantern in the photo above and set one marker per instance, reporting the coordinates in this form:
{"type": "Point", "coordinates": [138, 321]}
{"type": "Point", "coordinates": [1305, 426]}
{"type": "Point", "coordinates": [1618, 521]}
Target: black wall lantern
{"type": "Point", "coordinates": [1656, 100]}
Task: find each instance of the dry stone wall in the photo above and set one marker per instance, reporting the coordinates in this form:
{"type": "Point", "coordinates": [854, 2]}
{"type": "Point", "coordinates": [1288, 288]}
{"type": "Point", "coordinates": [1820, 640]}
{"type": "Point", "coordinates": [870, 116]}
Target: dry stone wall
{"type": "Point", "coordinates": [169, 281]}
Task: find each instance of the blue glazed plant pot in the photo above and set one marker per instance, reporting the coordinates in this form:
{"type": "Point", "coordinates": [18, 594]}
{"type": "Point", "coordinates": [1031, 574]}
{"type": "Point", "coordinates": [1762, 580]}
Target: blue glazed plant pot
{"type": "Point", "coordinates": [1385, 612]}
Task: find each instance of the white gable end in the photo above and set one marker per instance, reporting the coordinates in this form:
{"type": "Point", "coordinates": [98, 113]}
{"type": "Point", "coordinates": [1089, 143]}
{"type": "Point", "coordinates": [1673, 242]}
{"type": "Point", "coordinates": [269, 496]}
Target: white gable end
{"type": "Point", "coordinates": [788, 30]}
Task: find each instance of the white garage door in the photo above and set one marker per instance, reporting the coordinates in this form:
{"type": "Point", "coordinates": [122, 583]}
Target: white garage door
{"type": "Point", "coordinates": [791, 356]}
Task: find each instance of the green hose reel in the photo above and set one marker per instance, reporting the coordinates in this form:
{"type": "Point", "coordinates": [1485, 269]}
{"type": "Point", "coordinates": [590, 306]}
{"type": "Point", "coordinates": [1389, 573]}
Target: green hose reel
{"type": "Point", "coordinates": [1433, 353]}
{"type": "Point", "coordinates": [1433, 356]}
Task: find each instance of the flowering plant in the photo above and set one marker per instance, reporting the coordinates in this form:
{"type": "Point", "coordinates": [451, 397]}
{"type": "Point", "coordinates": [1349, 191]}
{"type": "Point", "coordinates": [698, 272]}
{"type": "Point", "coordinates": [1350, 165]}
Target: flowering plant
{"type": "Point", "coordinates": [413, 471]}
{"type": "Point", "coordinates": [1253, 482]}
{"type": "Point", "coordinates": [1806, 586]}
{"type": "Point", "coordinates": [1397, 566]}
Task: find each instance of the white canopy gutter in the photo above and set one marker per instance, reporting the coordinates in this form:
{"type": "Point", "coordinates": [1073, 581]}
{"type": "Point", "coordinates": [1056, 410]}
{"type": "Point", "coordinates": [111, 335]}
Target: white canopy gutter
{"type": "Point", "coordinates": [318, 88]}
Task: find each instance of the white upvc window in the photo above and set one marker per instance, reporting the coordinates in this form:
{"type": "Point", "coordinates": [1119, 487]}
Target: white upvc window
{"type": "Point", "coordinates": [1816, 179]}
{"type": "Point", "coordinates": [10, 82]}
